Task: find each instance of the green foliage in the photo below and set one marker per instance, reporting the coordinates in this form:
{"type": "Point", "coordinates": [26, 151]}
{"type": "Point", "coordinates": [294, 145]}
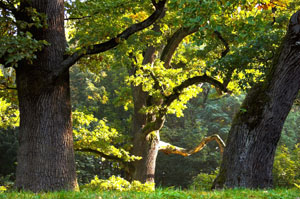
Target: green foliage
{"type": "Point", "coordinates": [203, 181]}
{"type": "Point", "coordinates": [88, 89]}
{"type": "Point", "coordinates": [91, 133]}
{"type": "Point", "coordinates": [119, 184]}
{"type": "Point", "coordinates": [7, 87]}
{"type": "Point", "coordinates": [2, 189]}
{"type": "Point", "coordinates": [103, 93]}
{"type": "Point", "coordinates": [17, 43]}
{"type": "Point", "coordinates": [85, 89]}
{"type": "Point", "coordinates": [8, 156]}
{"type": "Point", "coordinates": [247, 26]}
{"type": "Point", "coordinates": [119, 14]}
{"type": "Point", "coordinates": [168, 79]}
{"type": "Point", "coordinates": [9, 121]}
{"type": "Point", "coordinates": [286, 170]}
{"type": "Point", "coordinates": [160, 194]}
{"type": "Point", "coordinates": [242, 24]}
{"type": "Point", "coordinates": [87, 166]}
{"type": "Point", "coordinates": [19, 48]}
{"type": "Point", "coordinates": [290, 133]}
{"type": "Point", "coordinates": [9, 115]}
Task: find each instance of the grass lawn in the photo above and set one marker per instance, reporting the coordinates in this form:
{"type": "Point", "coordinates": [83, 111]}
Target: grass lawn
{"type": "Point", "coordinates": [163, 194]}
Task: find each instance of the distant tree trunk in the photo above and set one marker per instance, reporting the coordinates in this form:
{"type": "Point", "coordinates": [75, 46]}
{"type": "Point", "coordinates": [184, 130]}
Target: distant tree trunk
{"type": "Point", "coordinates": [145, 146]}
{"type": "Point", "coordinates": [251, 144]}
{"type": "Point", "coordinates": [45, 157]}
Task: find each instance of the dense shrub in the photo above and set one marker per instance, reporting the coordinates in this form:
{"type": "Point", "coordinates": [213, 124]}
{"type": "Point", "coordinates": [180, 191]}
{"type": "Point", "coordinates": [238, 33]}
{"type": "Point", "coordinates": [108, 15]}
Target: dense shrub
{"type": "Point", "coordinates": [2, 189]}
{"type": "Point", "coordinates": [119, 184]}
{"type": "Point", "coordinates": [8, 156]}
{"type": "Point", "coordinates": [203, 181]}
{"type": "Point", "coordinates": [286, 170]}
{"type": "Point", "coordinates": [87, 166]}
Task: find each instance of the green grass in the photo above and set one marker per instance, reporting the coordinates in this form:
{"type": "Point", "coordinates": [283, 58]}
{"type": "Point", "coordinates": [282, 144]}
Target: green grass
{"type": "Point", "coordinates": [162, 194]}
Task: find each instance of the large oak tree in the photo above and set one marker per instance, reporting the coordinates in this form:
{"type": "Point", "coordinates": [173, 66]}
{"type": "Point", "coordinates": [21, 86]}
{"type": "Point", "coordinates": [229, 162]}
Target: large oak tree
{"type": "Point", "coordinates": [256, 129]}
{"type": "Point", "coordinates": [45, 156]}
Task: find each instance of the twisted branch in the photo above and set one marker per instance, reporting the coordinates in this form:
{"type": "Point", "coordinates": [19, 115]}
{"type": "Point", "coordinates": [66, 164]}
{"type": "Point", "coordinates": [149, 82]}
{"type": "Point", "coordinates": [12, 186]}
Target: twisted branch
{"type": "Point", "coordinates": [170, 149]}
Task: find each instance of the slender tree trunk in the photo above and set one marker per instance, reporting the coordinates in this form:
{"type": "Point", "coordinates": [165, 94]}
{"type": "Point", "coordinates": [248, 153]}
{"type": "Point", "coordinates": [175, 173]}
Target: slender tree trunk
{"type": "Point", "coordinates": [251, 144]}
{"type": "Point", "coordinates": [45, 157]}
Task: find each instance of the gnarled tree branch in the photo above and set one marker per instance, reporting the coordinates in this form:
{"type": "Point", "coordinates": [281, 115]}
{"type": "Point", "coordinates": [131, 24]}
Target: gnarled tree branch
{"type": "Point", "coordinates": [157, 124]}
{"type": "Point", "coordinates": [224, 53]}
{"type": "Point", "coordinates": [191, 81]}
{"type": "Point", "coordinates": [96, 152]}
{"type": "Point", "coordinates": [173, 43]}
{"type": "Point", "coordinates": [98, 48]}
{"type": "Point", "coordinates": [170, 149]}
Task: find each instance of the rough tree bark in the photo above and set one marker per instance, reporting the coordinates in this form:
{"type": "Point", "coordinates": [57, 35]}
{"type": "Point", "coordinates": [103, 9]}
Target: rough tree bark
{"type": "Point", "coordinates": [45, 156]}
{"type": "Point", "coordinates": [252, 140]}
{"type": "Point", "coordinates": [147, 148]}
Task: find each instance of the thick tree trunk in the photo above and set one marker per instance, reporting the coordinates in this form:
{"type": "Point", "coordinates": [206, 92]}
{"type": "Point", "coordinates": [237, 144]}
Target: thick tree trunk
{"type": "Point", "coordinates": [45, 157]}
{"type": "Point", "coordinates": [147, 148]}
{"type": "Point", "coordinates": [251, 144]}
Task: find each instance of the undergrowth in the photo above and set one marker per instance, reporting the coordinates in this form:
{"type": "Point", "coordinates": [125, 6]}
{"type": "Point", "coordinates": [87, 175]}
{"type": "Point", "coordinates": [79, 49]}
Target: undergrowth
{"type": "Point", "coordinates": [160, 194]}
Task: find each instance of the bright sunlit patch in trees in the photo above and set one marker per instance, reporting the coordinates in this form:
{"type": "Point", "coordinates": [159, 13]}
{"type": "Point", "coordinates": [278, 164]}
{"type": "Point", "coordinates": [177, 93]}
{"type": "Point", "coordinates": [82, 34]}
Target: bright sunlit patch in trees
{"type": "Point", "coordinates": [9, 115]}
{"type": "Point", "coordinates": [92, 133]}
